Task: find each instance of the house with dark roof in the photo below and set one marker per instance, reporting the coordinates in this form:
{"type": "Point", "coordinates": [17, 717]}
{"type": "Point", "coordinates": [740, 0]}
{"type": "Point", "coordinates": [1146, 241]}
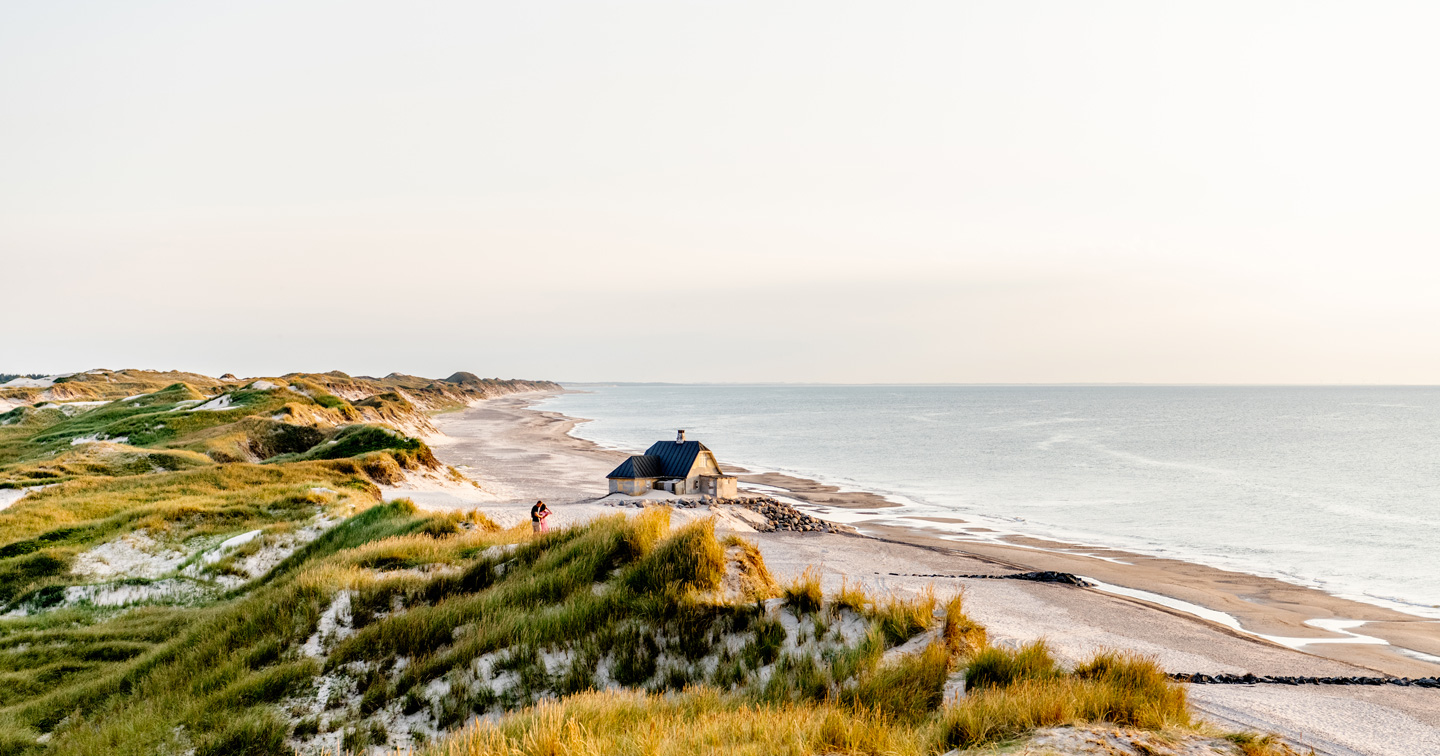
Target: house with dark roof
{"type": "Point", "coordinates": [679, 467]}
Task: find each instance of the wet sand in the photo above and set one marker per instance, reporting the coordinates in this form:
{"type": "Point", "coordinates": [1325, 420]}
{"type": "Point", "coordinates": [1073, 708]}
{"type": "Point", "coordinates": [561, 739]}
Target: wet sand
{"type": "Point", "coordinates": [520, 454]}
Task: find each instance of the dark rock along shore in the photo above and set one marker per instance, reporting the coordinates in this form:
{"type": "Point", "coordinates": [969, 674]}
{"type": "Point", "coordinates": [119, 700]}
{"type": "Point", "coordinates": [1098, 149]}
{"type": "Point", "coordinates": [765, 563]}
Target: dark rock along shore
{"type": "Point", "coordinates": [781, 516]}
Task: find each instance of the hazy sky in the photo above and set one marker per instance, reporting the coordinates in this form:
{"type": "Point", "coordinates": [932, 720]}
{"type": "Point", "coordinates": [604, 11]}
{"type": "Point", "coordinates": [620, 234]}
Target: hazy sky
{"type": "Point", "coordinates": [725, 191]}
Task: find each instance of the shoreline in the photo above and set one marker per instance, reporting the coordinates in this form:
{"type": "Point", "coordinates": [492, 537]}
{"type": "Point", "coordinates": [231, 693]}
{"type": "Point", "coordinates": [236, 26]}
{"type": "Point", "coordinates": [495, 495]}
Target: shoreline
{"type": "Point", "coordinates": [1264, 608]}
{"type": "Point", "coordinates": [1267, 608]}
{"type": "Point", "coordinates": [1004, 533]}
{"type": "Point", "coordinates": [518, 453]}
{"type": "Point", "coordinates": [848, 495]}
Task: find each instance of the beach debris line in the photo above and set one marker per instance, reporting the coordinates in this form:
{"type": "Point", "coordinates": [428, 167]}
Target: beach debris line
{"type": "Point", "coordinates": [1043, 576]}
{"type": "Point", "coordinates": [1196, 678]}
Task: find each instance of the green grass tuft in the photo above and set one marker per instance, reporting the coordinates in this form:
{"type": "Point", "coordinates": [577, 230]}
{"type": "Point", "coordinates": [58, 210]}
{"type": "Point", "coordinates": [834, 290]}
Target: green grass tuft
{"type": "Point", "coordinates": [903, 618]}
{"type": "Point", "coordinates": [998, 667]}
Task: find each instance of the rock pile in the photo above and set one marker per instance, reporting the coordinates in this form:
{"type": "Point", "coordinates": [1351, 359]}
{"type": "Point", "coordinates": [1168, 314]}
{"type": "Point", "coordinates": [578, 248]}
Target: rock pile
{"type": "Point", "coordinates": [780, 516]}
{"type": "Point", "coordinates": [783, 516]}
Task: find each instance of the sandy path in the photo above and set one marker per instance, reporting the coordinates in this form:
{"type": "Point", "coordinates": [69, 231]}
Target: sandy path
{"type": "Point", "coordinates": [520, 455]}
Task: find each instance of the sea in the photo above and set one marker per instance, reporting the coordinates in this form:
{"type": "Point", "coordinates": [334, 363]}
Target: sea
{"type": "Point", "coordinates": [1336, 488]}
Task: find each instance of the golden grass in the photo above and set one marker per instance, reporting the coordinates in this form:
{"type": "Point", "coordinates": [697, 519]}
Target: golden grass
{"type": "Point", "coordinates": [108, 459]}
{"type": "Point", "coordinates": [1130, 691]}
{"type": "Point", "coordinates": [880, 716]}
{"type": "Point", "coordinates": [803, 594]}
{"type": "Point", "coordinates": [700, 721]}
{"type": "Point", "coordinates": [646, 530]}
{"type": "Point", "coordinates": [173, 497]}
{"type": "Point", "coordinates": [963, 635]}
{"type": "Point", "coordinates": [416, 550]}
{"type": "Point", "coordinates": [691, 559]}
{"type": "Point", "coordinates": [748, 567]}
{"type": "Point", "coordinates": [851, 597]}
{"type": "Point", "coordinates": [902, 618]}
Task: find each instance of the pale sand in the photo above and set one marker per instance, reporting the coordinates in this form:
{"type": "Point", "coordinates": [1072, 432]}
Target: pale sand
{"type": "Point", "coordinates": [519, 455]}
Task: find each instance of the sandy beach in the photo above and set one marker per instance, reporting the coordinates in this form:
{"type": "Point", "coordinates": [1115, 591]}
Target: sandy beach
{"type": "Point", "coordinates": [518, 454]}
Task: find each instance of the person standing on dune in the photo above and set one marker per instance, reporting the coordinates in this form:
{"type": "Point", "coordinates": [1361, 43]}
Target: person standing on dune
{"type": "Point", "coordinates": [538, 513]}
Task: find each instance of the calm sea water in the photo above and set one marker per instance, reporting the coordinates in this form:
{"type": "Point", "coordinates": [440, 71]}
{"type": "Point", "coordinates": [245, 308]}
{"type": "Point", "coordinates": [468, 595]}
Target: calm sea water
{"type": "Point", "coordinates": [1337, 488]}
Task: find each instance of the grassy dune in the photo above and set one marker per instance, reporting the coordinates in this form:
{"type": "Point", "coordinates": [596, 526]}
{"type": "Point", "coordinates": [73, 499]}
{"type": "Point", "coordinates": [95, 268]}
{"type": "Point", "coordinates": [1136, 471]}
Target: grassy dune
{"type": "Point", "coordinates": [161, 537]}
{"type": "Point", "coordinates": [209, 569]}
{"type": "Point", "coordinates": [556, 620]}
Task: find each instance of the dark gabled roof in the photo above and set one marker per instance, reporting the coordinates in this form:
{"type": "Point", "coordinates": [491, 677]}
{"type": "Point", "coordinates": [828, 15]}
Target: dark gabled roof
{"type": "Point", "coordinates": [639, 466]}
{"type": "Point", "coordinates": [675, 459]}
{"type": "Point", "coordinates": [664, 459]}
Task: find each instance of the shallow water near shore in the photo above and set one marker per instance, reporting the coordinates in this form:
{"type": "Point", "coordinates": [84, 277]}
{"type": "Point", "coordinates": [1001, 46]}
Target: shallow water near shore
{"type": "Point", "coordinates": [1332, 487]}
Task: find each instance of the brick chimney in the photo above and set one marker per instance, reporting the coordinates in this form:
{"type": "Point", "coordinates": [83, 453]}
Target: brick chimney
{"type": "Point", "coordinates": [680, 437]}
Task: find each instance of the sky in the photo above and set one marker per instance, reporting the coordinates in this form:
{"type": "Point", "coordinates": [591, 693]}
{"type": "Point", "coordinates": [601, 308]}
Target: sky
{"type": "Point", "coordinates": [969, 192]}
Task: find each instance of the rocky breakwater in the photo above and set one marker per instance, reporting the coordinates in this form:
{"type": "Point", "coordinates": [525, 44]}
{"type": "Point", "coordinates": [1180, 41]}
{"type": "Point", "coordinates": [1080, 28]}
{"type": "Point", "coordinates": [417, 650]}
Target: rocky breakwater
{"type": "Point", "coordinates": [779, 516]}
{"type": "Point", "coordinates": [1250, 679]}
{"type": "Point", "coordinates": [782, 516]}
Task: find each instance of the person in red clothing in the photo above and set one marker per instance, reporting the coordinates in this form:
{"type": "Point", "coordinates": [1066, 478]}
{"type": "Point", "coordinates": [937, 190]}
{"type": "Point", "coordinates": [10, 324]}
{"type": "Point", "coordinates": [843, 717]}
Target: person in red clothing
{"type": "Point", "coordinates": [538, 513]}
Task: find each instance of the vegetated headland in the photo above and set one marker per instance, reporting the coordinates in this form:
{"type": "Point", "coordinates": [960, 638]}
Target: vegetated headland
{"type": "Point", "coordinates": [196, 565]}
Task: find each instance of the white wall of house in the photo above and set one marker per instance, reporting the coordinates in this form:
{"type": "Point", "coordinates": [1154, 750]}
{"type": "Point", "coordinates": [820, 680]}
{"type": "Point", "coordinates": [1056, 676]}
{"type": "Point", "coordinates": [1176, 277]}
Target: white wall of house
{"type": "Point", "coordinates": [719, 486]}
{"type": "Point", "coordinates": [631, 486]}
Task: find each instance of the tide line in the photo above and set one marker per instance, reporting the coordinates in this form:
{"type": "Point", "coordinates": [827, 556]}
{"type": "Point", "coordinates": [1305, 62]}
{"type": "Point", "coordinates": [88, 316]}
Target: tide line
{"type": "Point", "coordinates": [1338, 626]}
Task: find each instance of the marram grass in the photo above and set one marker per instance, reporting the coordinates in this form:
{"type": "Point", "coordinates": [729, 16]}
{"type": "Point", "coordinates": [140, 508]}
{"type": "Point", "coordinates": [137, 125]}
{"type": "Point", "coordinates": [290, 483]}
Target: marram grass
{"type": "Point", "coordinates": [699, 721]}
{"type": "Point", "coordinates": [1128, 692]}
{"type": "Point", "coordinates": [1131, 691]}
{"type": "Point", "coordinates": [803, 594]}
{"type": "Point", "coordinates": [678, 617]}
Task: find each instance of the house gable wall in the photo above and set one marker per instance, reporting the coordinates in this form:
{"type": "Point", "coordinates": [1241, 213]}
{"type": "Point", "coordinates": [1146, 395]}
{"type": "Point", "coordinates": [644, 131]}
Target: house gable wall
{"type": "Point", "coordinates": [705, 464]}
